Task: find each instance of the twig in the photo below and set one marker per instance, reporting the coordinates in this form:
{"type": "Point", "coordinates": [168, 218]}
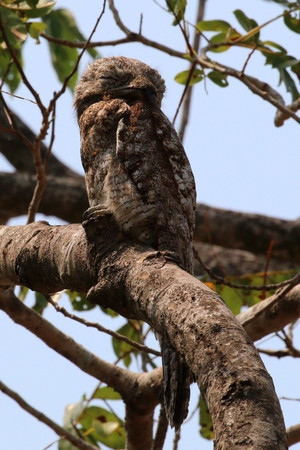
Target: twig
{"type": "Point", "coordinates": [72, 44]}
{"type": "Point", "coordinates": [247, 60]}
{"type": "Point", "coordinates": [267, 287]}
{"type": "Point", "coordinates": [67, 79]}
{"type": "Point", "coordinates": [121, 337]}
{"type": "Point", "coordinates": [263, 294]}
{"type": "Point", "coordinates": [186, 88]}
{"type": "Point", "coordinates": [49, 150]}
{"type": "Point", "coordinates": [17, 96]}
{"type": "Point", "coordinates": [276, 353]}
{"type": "Point", "coordinates": [5, 75]}
{"type": "Point", "coordinates": [40, 169]}
{"type": "Point", "coordinates": [188, 96]}
{"type": "Point", "coordinates": [79, 443]}
{"type": "Point", "coordinates": [19, 67]}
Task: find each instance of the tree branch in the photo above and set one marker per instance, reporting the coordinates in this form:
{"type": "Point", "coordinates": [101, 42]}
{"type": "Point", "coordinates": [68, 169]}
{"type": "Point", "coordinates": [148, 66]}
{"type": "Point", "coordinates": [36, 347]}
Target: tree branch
{"type": "Point", "coordinates": [293, 434]}
{"type": "Point", "coordinates": [252, 232]}
{"type": "Point", "coordinates": [188, 97]}
{"type": "Point", "coordinates": [133, 387]}
{"type": "Point", "coordinates": [272, 314]}
{"type": "Point", "coordinates": [190, 315]}
{"type": "Point", "coordinates": [79, 443]}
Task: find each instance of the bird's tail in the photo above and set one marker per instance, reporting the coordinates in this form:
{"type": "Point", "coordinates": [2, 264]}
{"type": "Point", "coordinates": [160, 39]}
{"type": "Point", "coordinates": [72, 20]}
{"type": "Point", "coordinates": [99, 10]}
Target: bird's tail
{"type": "Point", "coordinates": [176, 382]}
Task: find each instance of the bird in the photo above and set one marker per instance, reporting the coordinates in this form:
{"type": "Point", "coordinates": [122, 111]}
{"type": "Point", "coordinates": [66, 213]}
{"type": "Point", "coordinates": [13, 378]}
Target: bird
{"type": "Point", "coordinates": [136, 170]}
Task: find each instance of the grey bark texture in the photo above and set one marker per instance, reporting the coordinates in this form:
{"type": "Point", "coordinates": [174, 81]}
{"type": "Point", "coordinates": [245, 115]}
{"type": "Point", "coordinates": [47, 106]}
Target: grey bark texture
{"type": "Point", "coordinates": [233, 381]}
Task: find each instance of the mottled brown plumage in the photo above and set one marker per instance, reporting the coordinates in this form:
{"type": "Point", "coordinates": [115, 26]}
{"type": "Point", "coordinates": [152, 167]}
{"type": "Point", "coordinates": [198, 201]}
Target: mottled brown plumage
{"type": "Point", "coordinates": [137, 170]}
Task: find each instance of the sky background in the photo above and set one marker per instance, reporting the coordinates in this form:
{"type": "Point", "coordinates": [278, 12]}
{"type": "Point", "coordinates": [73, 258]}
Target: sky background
{"type": "Point", "coordinates": [241, 161]}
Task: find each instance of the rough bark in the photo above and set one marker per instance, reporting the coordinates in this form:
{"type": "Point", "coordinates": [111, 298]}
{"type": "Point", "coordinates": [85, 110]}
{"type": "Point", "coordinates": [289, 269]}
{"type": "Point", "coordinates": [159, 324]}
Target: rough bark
{"type": "Point", "coordinates": [266, 317]}
{"type": "Point", "coordinates": [142, 284]}
{"type": "Point", "coordinates": [64, 197]}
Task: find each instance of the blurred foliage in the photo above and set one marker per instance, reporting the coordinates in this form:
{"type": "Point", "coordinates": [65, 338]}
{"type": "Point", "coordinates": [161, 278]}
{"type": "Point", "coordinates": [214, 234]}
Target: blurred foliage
{"type": "Point", "coordinates": [225, 36]}
{"type": "Point", "coordinates": [94, 424]}
{"type": "Point", "coordinates": [237, 298]}
{"type": "Point", "coordinates": [16, 18]}
{"type": "Point", "coordinates": [205, 422]}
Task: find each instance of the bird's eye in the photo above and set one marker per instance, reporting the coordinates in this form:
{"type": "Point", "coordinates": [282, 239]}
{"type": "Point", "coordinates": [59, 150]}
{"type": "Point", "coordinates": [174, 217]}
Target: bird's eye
{"type": "Point", "coordinates": [106, 77]}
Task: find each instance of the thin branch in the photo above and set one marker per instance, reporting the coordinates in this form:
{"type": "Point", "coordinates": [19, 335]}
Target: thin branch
{"type": "Point", "coordinates": [118, 336]}
{"type": "Point", "coordinates": [188, 96]}
{"type": "Point", "coordinates": [79, 443]}
{"type": "Point", "coordinates": [275, 298]}
{"type": "Point", "coordinates": [67, 79]}
{"type": "Point", "coordinates": [17, 96]}
{"type": "Point", "coordinates": [186, 89]}
{"type": "Point", "coordinates": [19, 67]}
{"type": "Point", "coordinates": [275, 353]}
{"type": "Point", "coordinates": [134, 37]}
{"type": "Point", "coordinates": [265, 287]}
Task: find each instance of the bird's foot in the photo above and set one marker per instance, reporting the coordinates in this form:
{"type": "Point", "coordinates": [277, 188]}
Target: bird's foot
{"type": "Point", "coordinates": [95, 214]}
{"type": "Point", "coordinates": [99, 218]}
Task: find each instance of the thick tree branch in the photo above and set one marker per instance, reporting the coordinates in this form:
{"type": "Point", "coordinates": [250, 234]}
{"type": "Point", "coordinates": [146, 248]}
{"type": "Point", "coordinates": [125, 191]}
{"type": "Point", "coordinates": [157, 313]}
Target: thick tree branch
{"type": "Point", "coordinates": [268, 317]}
{"type": "Point", "coordinates": [252, 232]}
{"type": "Point", "coordinates": [64, 197]}
{"type": "Point", "coordinates": [237, 389]}
{"type": "Point", "coordinates": [16, 152]}
{"type": "Point", "coordinates": [293, 434]}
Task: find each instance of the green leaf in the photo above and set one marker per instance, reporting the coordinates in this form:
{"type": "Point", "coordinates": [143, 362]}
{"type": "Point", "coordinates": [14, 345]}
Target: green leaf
{"type": "Point", "coordinates": [244, 21]}
{"type": "Point", "coordinates": [14, 28]}
{"type": "Point", "coordinates": [23, 293]}
{"type": "Point", "coordinates": [229, 37]}
{"type": "Point", "coordinates": [233, 298]}
{"type": "Point", "coordinates": [182, 77]}
{"type": "Point", "coordinates": [109, 312]}
{"type": "Point", "coordinates": [205, 422]}
{"type": "Point", "coordinates": [273, 44]}
{"type": "Point", "coordinates": [292, 22]}
{"type": "Point", "coordinates": [79, 301]}
{"type": "Point", "coordinates": [41, 8]}
{"type": "Point", "coordinates": [13, 77]}
{"type": "Point", "coordinates": [122, 348]}
{"type": "Point", "coordinates": [107, 427]}
{"type": "Point", "coordinates": [213, 25]}
{"type": "Point", "coordinates": [32, 3]}
{"type": "Point", "coordinates": [289, 84]}
{"type": "Point", "coordinates": [107, 393]}
{"type": "Point", "coordinates": [178, 7]}
{"type": "Point", "coordinates": [218, 78]}
{"type": "Point", "coordinates": [40, 303]}
{"type": "Point", "coordinates": [35, 29]}
{"type": "Point", "coordinates": [249, 25]}
{"type": "Point", "coordinates": [62, 25]}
